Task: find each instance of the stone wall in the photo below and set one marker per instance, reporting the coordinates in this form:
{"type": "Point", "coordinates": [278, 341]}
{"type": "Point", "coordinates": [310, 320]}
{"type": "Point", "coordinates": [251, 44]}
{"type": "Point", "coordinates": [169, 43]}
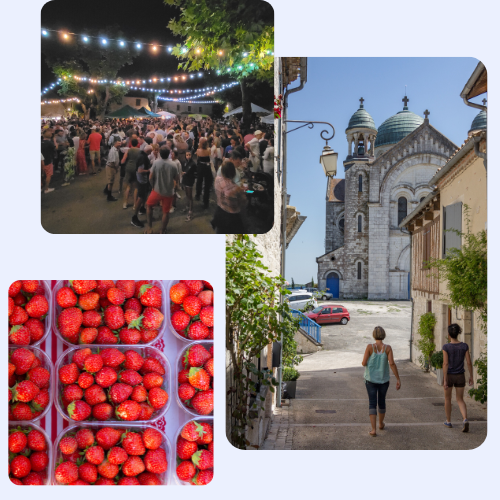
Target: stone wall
{"type": "Point", "coordinates": [305, 344]}
{"type": "Point", "coordinates": [334, 236]}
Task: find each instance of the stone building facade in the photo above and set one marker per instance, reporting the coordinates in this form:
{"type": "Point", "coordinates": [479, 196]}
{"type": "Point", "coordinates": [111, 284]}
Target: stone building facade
{"type": "Point", "coordinates": [387, 171]}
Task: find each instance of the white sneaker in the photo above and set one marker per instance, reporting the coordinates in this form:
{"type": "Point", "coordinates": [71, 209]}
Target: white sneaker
{"type": "Point", "coordinates": [125, 205]}
{"type": "Point", "coordinates": [178, 195]}
{"type": "Point", "coordinates": [172, 210]}
{"type": "Point", "coordinates": [49, 190]}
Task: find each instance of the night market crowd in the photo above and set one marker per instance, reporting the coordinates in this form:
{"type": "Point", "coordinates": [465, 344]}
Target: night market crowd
{"type": "Point", "coordinates": [150, 162]}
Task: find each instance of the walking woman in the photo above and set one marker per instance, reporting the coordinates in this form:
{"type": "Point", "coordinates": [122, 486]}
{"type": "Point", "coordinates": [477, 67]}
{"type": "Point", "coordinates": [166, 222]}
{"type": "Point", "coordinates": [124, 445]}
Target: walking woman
{"type": "Point", "coordinates": [454, 354]}
{"type": "Point", "coordinates": [377, 359]}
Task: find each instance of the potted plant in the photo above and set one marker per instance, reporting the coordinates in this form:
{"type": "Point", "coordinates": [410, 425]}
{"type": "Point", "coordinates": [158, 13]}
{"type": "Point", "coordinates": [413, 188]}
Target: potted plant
{"type": "Point", "coordinates": [437, 363]}
{"type": "Point", "coordinates": [290, 376]}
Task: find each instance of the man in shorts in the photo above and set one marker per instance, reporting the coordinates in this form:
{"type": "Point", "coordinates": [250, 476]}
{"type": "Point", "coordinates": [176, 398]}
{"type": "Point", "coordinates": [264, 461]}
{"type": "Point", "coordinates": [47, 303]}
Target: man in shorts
{"type": "Point", "coordinates": [95, 139]}
{"type": "Point", "coordinates": [163, 178]}
{"type": "Point", "coordinates": [48, 153]}
{"type": "Point", "coordinates": [111, 169]}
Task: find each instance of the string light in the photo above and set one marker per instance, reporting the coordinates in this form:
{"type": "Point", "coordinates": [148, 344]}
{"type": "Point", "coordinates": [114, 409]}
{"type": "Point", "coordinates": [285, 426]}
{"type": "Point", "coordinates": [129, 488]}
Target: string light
{"type": "Point", "coordinates": [54, 101]}
{"type": "Point", "coordinates": [65, 35]}
{"type": "Point", "coordinates": [44, 33]}
{"type": "Point", "coordinates": [85, 39]}
{"type": "Point", "coordinates": [122, 43]}
{"type": "Point", "coordinates": [104, 41]}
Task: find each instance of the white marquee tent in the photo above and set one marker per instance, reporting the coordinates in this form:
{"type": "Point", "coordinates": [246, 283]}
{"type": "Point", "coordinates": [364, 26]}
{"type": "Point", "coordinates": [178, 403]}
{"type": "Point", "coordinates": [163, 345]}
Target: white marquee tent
{"type": "Point", "coordinates": [255, 109]}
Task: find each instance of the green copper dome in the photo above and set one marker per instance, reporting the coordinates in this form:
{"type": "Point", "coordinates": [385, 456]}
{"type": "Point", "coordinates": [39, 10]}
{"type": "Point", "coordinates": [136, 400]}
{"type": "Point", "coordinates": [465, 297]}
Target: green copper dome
{"type": "Point", "coordinates": [397, 127]}
{"type": "Point", "coordinates": [479, 122]}
{"type": "Point", "coordinates": [361, 119]}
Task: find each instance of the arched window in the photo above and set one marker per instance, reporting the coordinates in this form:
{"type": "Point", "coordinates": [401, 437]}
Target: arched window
{"type": "Point", "coordinates": [402, 209]}
{"type": "Point", "coordinates": [360, 223]}
{"type": "Point", "coordinates": [341, 224]}
{"type": "Point", "coordinates": [359, 270]}
{"type": "Point", "coordinates": [360, 183]}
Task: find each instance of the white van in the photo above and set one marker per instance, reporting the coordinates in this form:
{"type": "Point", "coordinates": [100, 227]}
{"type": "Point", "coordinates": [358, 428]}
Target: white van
{"type": "Point", "coordinates": [301, 300]}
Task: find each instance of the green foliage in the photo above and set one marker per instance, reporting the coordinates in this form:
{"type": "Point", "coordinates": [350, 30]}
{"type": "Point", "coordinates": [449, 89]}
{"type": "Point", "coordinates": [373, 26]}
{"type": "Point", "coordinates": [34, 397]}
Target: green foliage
{"type": "Point", "coordinates": [255, 318]}
{"type": "Point", "coordinates": [481, 392]}
{"type": "Point", "coordinates": [437, 359]}
{"type": "Point", "coordinates": [425, 343]}
{"type": "Point", "coordinates": [290, 374]}
{"type": "Point", "coordinates": [312, 282]}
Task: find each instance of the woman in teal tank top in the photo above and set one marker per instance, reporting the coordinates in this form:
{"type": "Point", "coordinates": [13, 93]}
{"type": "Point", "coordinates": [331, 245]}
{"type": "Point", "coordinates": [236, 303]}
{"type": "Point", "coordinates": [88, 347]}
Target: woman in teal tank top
{"type": "Point", "coordinates": [377, 360]}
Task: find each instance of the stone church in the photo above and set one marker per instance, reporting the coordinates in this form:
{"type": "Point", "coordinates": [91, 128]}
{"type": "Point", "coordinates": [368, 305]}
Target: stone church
{"type": "Point", "coordinates": [387, 171]}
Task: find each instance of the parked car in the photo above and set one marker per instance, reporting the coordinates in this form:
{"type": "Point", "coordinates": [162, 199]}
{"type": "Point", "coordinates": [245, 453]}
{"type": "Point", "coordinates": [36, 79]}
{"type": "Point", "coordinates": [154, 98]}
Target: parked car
{"type": "Point", "coordinates": [301, 300]}
{"type": "Point", "coordinates": [319, 294]}
{"type": "Point", "coordinates": [329, 313]}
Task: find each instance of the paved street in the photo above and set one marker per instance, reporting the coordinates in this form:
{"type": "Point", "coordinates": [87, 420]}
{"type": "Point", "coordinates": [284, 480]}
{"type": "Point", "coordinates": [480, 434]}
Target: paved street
{"type": "Point", "coordinates": [331, 406]}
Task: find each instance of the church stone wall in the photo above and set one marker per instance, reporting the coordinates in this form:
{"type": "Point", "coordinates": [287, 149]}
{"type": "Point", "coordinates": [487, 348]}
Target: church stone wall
{"type": "Point", "coordinates": [334, 237]}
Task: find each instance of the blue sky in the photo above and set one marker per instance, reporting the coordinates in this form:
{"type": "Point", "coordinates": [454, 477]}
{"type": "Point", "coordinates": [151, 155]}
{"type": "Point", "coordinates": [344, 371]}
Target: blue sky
{"type": "Point", "coordinates": [331, 94]}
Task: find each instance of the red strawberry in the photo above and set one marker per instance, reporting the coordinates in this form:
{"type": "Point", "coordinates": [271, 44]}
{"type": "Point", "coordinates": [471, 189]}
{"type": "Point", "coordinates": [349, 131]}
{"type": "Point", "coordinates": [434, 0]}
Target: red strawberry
{"type": "Point", "coordinates": [183, 376]}
{"type": "Point", "coordinates": [133, 443]}
{"type": "Point", "coordinates": [23, 360]}
{"type": "Point", "coordinates": [186, 470]}
{"type": "Point", "coordinates": [106, 377]}
{"type": "Point", "coordinates": [108, 470]}
{"type": "Point", "coordinates": [152, 365]}
{"type": "Point", "coordinates": [87, 472]}
{"type": "Point", "coordinates": [112, 357]}
{"type": "Point", "coordinates": [79, 410]}
{"type": "Point", "coordinates": [84, 438]}
{"type": "Point", "coordinates": [87, 336]}
{"type": "Point", "coordinates": [210, 334]}
{"type": "Point", "coordinates": [133, 305]}
{"type": "Point", "coordinates": [199, 378]}
{"type": "Point", "coordinates": [138, 286]}
{"type": "Point", "coordinates": [103, 286]}
{"type": "Point", "coordinates": [150, 296]}
{"type": "Point", "coordinates": [37, 307]}
{"type": "Point", "coordinates": [128, 481]}
{"type": "Point", "coordinates": [203, 477]}
{"type": "Point", "coordinates": [206, 298]}
{"type": "Point", "coordinates": [133, 466]}
{"type": "Point", "coordinates": [130, 336]}
{"type": "Point", "coordinates": [21, 411]}
{"type": "Point", "coordinates": [94, 395]}
{"type": "Point", "coordinates": [85, 380]}
{"type": "Point", "coordinates": [107, 437]}
{"type": "Point", "coordinates": [149, 479]}
{"type": "Point", "coordinates": [186, 392]}
{"type": "Point", "coordinates": [194, 286]}
{"type": "Point", "coordinates": [15, 480]}
{"type": "Point", "coordinates": [180, 320]}
{"type": "Point", "coordinates": [17, 441]}
{"type": "Point", "coordinates": [20, 466]}
{"type": "Point", "coordinates": [127, 287]}
{"type": "Point", "coordinates": [95, 455]}
{"type": "Point", "coordinates": [113, 317]}
{"type": "Point", "coordinates": [20, 300]}
{"type": "Point", "coordinates": [105, 336]}
{"type": "Point", "coordinates": [146, 411]}
{"type": "Point", "coordinates": [30, 286]}
{"type": "Point", "coordinates": [83, 286]}
{"type": "Point", "coordinates": [103, 303]}
{"type": "Point", "coordinates": [36, 328]}
{"type": "Point", "coordinates": [207, 285]}
{"type": "Point", "coordinates": [117, 455]}
{"type": "Point", "coordinates": [92, 319]}
{"type": "Point", "coordinates": [36, 440]}
{"type": "Point", "coordinates": [119, 393]}
{"type": "Point", "coordinates": [72, 392]}
{"type": "Point", "coordinates": [102, 481]}
{"type": "Point", "coordinates": [19, 335]}
{"type": "Point", "coordinates": [69, 321]}
{"type": "Point", "coordinates": [158, 398]}
{"type": "Point", "coordinates": [15, 288]}
{"type": "Point", "coordinates": [131, 315]}
{"type": "Point", "coordinates": [139, 394]}
{"type": "Point", "coordinates": [130, 377]}
{"type": "Point", "coordinates": [153, 318]}
{"type": "Point", "coordinates": [148, 336]}
{"type": "Point", "coordinates": [65, 297]}
{"type": "Point", "coordinates": [40, 290]}
{"type": "Point", "coordinates": [80, 356]}
{"type": "Point", "coordinates": [133, 360]}
{"type": "Point", "coordinates": [41, 401]}
{"type": "Point", "coordinates": [185, 448]}
{"type": "Point", "coordinates": [116, 296]}
{"type": "Point", "coordinates": [68, 374]}
{"type": "Point", "coordinates": [207, 315]}
{"type": "Point", "coordinates": [39, 461]}
{"type": "Point", "coordinates": [102, 411]}
{"type": "Point", "coordinates": [25, 391]}
{"type": "Point", "coordinates": [208, 434]}
{"type": "Point", "coordinates": [152, 438]}
{"type": "Point", "coordinates": [203, 459]}
{"type": "Point", "coordinates": [156, 461]}
{"type": "Point", "coordinates": [203, 402]}
{"type": "Point", "coordinates": [198, 331]}
{"type": "Point", "coordinates": [11, 306]}
{"type": "Point", "coordinates": [209, 367]}
{"type": "Point", "coordinates": [93, 363]}
{"type": "Point", "coordinates": [175, 307]}
{"type": "Point", "coordinates": [151, 380]}
{"type": "Point", "coordinates": [68, 445]}
{"type": "Point", "coordinates": [18, 316]}
{"type": "Point", "coordinates": [192, 305]}
{"type": "Point", "coordinates": [178, 293]}
{"type": "Point", "coordinates": [129, 410]}
{"type": "Point", "coordinates": [196, 356]}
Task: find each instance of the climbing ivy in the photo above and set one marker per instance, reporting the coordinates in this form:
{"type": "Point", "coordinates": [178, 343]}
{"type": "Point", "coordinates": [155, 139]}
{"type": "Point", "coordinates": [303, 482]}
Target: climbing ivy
{"type": "Point", "coordinates": [426, 343]}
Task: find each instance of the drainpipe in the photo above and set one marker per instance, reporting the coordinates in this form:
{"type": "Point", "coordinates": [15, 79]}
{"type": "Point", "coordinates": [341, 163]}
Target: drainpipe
{"type": "Point", "coordinates": [474, 105]}
{"type": "Point", "coordinates": [411, 298]}
{"type": "Point", "coordinates": [303, 79]}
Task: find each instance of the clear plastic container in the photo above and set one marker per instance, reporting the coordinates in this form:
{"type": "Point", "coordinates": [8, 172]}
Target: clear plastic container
{"type": "Point", "coordinates": [137, 427]}
{"type": "Point", "coordinates": [24, 425]}
{"type": "Point", "coordinates": [208, 420]}
{"type": "Point", "coordinates": [48, 319]}
{"type": "Point", "coordinates": [56, 310]}
{"type": "Point", "coordinates": [46, 363]}
{"type": "Point", "coordinates": [179, 365]}
{"type": "Point", "coordinates": [144, 351]}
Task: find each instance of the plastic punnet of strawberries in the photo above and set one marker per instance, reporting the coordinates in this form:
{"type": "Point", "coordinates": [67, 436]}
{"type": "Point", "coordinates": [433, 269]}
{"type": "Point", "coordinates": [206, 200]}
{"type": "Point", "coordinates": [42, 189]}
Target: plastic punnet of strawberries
{"type": "Point", "coordinates": [28, 456]}
{"type": "Point", "coordinates": [196, 379]}
{"type": "Point", "coordinates": [111, 456]}
{"type": "Point", "coordinates": [29, 385]}
{"type": "Point", "coordinates": [109, 312]}
{"type": "Point", "coordinates": [112, 385]}
{"type": "Point", "coordinates": [191, 309]}
{"type": "Point", "coordinates": [195, 453]}
{"type": "Point", "coordinates": [28, 308]}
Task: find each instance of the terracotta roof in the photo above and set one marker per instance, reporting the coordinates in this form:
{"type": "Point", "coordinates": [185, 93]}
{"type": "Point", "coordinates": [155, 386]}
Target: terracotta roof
{"type": "Point", "coordinates": [335, 190]}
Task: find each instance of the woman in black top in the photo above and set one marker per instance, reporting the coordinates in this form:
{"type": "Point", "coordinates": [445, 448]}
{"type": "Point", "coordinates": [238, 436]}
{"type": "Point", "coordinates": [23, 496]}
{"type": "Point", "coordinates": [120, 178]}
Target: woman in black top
{"type": "Point", "coordinates": [454, 354]}
{"type": "Point", "coordinates": [188, 178]}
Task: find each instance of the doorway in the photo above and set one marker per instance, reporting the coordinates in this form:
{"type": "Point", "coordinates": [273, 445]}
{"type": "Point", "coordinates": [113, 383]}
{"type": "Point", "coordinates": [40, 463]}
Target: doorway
{"type": "Point", "coordinates": [333, 284]}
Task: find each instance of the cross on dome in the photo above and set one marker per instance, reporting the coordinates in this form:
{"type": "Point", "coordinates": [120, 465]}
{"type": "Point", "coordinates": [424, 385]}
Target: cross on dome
{"type": "Point", "coordinates": [361, 100]}
{"type": "Point", "coordinates": [405, 100]}
{"type": "Point", "coordinates": [426, 114]}
{"type": "Point", "coordinates": [484, 102]}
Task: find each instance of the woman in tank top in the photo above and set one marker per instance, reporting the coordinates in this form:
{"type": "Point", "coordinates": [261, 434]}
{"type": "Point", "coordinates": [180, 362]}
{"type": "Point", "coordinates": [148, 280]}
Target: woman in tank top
{"type": "Point", "coordinates": [377, 360]}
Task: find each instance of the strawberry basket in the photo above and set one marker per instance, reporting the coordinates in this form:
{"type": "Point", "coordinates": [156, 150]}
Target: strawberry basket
{"type": "Point", "coordinates": [165, 477]}
{"type": "Point", "coordinates": [144, 351]}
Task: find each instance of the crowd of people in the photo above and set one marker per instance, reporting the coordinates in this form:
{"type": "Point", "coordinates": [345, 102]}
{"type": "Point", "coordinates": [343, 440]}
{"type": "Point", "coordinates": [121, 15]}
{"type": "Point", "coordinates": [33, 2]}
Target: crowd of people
{"type": "Point", "coordinates": [151, 162]}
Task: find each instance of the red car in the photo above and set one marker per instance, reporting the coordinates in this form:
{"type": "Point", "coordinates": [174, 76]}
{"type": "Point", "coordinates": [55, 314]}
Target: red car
{"type": "Point", "coordinates": [329, 313]}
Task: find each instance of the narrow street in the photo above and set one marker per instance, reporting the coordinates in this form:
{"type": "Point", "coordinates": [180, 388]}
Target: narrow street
{"type": "Point", "coordinates": [330, 410]}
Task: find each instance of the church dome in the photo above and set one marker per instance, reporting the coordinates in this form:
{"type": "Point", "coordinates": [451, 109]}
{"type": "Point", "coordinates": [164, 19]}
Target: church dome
{"type": "Point", "coordinates": [479, 122]}
{"type": "Point", "coordinates": [361, 119]}
{"type": "Point", "coordinates": [397, 127]}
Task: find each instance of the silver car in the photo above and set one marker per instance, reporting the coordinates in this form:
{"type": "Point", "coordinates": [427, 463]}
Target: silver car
{"type": "Point", "coordinates": [318, 294]}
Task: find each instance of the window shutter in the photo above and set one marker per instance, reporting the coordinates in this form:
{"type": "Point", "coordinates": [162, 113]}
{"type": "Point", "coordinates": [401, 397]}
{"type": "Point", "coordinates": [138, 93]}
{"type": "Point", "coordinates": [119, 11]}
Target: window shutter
{"type": "Point", "coordinates": [452, 220]}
